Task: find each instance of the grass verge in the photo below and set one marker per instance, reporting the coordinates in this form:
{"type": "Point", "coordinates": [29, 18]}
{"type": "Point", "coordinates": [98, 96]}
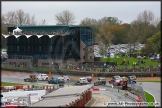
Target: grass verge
{"type": "Point", "coordinates": [149, 99]}
{"type": "Point", "coordinates": [149, 81]}
{"type": "Point", "coordinates": [10, 84]}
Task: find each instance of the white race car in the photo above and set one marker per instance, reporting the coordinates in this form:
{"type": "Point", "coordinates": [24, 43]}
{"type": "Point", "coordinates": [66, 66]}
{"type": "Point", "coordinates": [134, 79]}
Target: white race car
{"type": "Point", "coordinates": [66, 78]}
{"type": "Point", "coordinates": [42, 77]}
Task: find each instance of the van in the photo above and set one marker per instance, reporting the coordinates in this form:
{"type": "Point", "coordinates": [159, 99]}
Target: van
{"type": "Point", "coordinates": [83, 80]}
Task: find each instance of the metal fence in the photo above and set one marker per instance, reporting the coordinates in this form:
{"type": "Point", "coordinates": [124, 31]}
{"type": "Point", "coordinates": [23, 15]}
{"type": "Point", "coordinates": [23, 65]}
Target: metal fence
{"type": "Point", "coordinates": [137, 90]}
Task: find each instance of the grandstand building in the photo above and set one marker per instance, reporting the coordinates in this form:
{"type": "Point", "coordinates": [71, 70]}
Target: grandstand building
{"type": "Point", "coordinates": [49, 45]}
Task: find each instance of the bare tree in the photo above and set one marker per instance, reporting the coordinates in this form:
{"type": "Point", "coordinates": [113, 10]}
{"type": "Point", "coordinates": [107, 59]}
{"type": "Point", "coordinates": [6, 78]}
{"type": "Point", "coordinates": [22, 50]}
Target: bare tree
{"type": "Point", "coordinates": [43, 22]}
{"type": "Point", "coordinates": [18, 17]}
{"type": "Point", "coordinates": [65, 18]}
{"type": "Point", "coordinates": [88, 21]}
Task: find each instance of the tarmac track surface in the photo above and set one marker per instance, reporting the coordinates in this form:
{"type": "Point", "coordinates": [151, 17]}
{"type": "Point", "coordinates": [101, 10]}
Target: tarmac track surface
{"type": "Point", "coordinates": [151, 87]}
{"type": "Point", "coordinates": [154, 88]}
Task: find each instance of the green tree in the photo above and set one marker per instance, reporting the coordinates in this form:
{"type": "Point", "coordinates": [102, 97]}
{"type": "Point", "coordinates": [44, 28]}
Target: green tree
{"type": "Point", "coordinates": [153, 44]}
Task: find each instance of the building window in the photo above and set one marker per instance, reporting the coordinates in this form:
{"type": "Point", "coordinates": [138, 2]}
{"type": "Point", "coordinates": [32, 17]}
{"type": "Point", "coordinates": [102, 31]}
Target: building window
{"type": "Point", "coordinates": [90, 49]}
{"type": "Point", "coordinates": [17, 48]}
{"type": "Point", "coordinates": [83, 48]}
{"type": "Point", "coordinates": [17, 40]}
{"type": "Point", "coordinates": [39, 48]}
{"type": "Point", "coordinates": [90, 57]}
{"type": "Point", "coordinates": [83, 57]}
{"type": "Point", "coordinates": [28, 48]}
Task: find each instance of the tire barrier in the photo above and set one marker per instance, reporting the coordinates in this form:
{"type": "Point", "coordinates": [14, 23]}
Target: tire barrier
{"type": "Point", "coordinates": [8, 88]}
{"type": "Point", "coordinates": [48, 87]}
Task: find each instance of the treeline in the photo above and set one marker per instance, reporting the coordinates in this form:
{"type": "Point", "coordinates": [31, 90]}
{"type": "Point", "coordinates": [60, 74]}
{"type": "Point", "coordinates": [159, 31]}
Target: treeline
{"type": "Point", "coordinates": [145, 29]}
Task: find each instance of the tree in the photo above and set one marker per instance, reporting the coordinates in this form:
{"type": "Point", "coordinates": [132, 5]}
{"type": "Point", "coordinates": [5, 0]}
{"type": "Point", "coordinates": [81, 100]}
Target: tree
{"type": "Point", "coordinates": [110, 21]}
{"type": "Point", "coordinates": [133, 35]}
{"type": "Point", "coordinates": [18, 18]}
{"type": "Point", "coordinates": [147, 24]}
{"type": "Point", "coordinates": [153, 44]}
{"type": "Point", "coordinates": [104, 38]}
{"type": "Point", "coordinates": [43, 22]}
{"type": "Point", "coordinates": [65, 18]}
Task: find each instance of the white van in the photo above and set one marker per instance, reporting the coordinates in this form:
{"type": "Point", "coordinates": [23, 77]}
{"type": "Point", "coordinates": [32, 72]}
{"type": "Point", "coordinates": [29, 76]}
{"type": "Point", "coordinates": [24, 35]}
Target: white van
{"type": "Point", "coordinates": [83, 80]}
{"type": "Point", "coordinates": [43, 77]}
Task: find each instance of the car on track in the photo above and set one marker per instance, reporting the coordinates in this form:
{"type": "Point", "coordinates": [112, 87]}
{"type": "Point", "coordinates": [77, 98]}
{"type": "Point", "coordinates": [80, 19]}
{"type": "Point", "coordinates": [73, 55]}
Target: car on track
{"type": "Point", "coordinates": [131, 79]}
{"type": "Point", "coordinates": [116, 80]}
{"type": "Point", "coordinates": [89, 78]}
{"type": "Point", "coordinates": [42, 77]}
{"type": "Point", "coordinates": [78, 83]}
{"type": "Point", "coordinates": [82, 81]}
{"type": "Point", "coordinates": [32, 78]}
{"type": "Point", "coordinates": [66, 78]}
{"type": "Point", "coordinates": [101, 81]}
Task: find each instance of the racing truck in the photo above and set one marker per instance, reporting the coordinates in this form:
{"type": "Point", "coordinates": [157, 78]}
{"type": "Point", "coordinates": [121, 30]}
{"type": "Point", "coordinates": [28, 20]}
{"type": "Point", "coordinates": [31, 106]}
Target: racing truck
{"type": "Point", "coordinates": [101, 81]}
{"type": "Point", "coordinates": [82, 81]}
{"type": "Point", "coordinates": [57, 80]}
{"type": "Point", "coordinates": [32, 78]}
{"type": "Point", "coordinates": [42, 77]}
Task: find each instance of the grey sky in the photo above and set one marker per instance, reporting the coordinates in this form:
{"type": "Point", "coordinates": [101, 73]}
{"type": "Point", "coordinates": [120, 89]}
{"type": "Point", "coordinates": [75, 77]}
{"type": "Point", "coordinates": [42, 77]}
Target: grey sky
{"type": "Point", "coordinates": [125, 11]}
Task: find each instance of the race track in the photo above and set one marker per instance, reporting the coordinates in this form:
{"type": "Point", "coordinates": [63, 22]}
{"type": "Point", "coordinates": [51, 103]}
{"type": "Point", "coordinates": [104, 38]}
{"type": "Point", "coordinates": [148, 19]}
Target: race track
{"type": "Point", "coordinates": [153, 88]}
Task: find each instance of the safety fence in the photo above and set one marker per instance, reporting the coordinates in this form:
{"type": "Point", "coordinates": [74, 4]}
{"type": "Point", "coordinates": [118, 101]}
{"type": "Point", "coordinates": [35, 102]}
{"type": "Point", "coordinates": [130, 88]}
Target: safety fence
{"type": "Point", "coordinates": [138, 91]}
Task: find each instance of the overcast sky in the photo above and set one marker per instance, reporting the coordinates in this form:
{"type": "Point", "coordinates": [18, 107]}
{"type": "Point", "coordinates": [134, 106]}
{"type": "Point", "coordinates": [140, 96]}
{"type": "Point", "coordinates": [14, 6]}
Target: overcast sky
{"type": "Point", "coordinates": [124, 11]}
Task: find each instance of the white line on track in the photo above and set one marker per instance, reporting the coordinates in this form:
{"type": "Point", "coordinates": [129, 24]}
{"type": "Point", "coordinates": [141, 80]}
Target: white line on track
{"type": "Point", "coordinates": [95, 102]}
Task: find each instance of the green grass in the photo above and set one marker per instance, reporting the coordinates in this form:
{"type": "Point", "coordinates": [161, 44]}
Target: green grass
{"type": "Point", "coordinates": [149, 98]}
{"type": "Point", "coordinates": [150, 81]}
{"type": "Point", "coordinates": [131, 60]}
{"type": "Point", "coordinates": [10, 84]}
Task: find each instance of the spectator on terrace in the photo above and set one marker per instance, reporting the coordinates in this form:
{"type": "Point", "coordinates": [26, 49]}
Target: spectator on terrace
{"type": "Point", "coordinates": [128, 62]}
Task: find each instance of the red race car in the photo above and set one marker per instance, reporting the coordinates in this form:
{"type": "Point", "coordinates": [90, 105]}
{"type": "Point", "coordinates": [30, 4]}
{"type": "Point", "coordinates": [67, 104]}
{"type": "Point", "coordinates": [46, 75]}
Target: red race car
{"type": "Point", "coordinates": [115, 82]}
{"type": "Point", "coordinates": [89, 79]}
